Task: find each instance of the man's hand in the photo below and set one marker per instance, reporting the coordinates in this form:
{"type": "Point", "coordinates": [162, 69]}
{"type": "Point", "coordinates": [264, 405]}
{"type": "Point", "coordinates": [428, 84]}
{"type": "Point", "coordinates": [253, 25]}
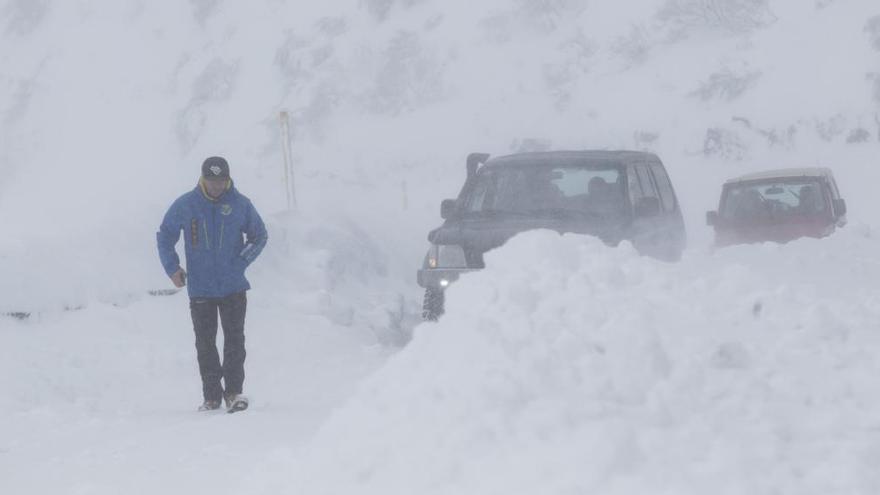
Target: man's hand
{"type": "Point", "coordinates": [179, 278]}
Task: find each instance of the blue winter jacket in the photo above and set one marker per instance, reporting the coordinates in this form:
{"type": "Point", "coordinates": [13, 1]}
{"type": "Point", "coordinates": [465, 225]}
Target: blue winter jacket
{"type": "Point", "coordinates": [221, 238]}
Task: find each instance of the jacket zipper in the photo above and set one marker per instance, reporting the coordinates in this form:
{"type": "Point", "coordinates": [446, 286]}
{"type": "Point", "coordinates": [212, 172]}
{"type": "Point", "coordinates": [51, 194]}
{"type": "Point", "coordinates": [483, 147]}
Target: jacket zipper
{"type": "Point", "coordinates": [214, 226]}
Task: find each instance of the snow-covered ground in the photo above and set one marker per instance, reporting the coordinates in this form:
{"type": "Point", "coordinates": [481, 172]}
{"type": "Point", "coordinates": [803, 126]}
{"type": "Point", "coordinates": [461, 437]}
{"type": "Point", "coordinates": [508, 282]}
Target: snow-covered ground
{"type": "Point", "coordinates": [103, 400]}
{"type": "Point", "coordinates": [747, 370]}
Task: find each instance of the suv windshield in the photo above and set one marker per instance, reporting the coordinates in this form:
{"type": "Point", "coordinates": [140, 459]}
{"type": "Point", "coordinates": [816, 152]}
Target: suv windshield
{"type": "Point", "coordinates": [557, 191]}
{"type": "Point", "coordinates": [773, 201]}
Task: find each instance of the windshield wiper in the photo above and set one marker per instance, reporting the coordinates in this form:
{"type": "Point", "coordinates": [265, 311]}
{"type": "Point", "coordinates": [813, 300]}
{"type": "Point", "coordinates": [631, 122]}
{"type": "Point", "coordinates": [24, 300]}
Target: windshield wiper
{"type": "Point", "coordinates": [565, 212]}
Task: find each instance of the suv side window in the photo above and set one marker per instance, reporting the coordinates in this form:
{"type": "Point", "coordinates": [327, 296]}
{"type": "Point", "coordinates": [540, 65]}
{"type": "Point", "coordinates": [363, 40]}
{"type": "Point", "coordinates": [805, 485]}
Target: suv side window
{"type": "Point", "coordinates": [827, 193]}
{"type": "Point", "coordinates": [667, 196]}
{"type": "Point", "coordinates": [649, 189]}
{"type": "Point", "coordinates": [635, 189]}
{"type": "Point", "coordinates": [476, 195]}
{"type": "Point", "coordinates": [835, 193]}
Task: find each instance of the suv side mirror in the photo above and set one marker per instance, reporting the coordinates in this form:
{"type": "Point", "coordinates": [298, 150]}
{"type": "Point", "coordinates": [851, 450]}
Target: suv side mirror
{"type": "Point", "coordinates": [647, 207]}
{"type": "Point", "coordinates": [839, 207]}
{"type": "Point", "coordinates": [448, 209]}
{"type": "Point", "coordinates": [711, 218]}
{"type": "Point", "coordinates": [473, 162]}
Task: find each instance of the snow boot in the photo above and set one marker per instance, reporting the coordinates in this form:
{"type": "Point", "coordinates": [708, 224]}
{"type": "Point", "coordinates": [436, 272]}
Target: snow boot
{"type": "Point", "coordinates": [209, 405]}
{"type": "Point", "coordinates": [235, 403]}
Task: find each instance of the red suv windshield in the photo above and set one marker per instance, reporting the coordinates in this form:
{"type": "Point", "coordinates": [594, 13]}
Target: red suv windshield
{"type": "Point", "coordinates": [776, 201]}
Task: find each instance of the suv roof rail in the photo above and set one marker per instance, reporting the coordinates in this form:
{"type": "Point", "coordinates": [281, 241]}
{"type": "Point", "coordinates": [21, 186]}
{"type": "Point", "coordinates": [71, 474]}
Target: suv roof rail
{"type": "Point", "coordinates": [474, 160]}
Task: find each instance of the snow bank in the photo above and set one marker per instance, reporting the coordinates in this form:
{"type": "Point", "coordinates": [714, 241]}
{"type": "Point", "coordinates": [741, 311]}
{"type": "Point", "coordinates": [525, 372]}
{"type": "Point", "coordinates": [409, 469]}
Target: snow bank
{"type": "Point", "coordinates": [569, 367]}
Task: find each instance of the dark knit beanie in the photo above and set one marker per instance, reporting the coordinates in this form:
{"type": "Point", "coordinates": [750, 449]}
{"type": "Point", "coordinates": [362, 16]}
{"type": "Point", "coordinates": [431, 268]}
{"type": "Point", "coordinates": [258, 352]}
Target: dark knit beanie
{"type": "Point", "coordinates": [215, 167]}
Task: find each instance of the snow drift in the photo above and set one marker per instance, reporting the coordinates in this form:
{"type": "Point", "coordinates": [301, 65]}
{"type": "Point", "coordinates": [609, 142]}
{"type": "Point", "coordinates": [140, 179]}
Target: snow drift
{"type": "Point", "coordinates": [570, 367]}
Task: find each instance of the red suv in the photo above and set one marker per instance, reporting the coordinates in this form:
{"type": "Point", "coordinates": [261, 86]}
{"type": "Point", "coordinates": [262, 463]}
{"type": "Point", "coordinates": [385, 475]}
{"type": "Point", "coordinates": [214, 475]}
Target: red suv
{"type": "Point", "coordinates": [778, 206]}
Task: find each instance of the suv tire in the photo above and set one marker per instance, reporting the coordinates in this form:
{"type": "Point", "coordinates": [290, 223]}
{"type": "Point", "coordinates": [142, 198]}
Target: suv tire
{"type": "Point", "coordinates": [432, 308]}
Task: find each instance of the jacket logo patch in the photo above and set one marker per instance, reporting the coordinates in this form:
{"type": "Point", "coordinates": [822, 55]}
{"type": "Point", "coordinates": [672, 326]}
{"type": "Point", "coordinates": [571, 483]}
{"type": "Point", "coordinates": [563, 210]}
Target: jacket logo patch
{"type": "Point", "coordinates": [226, 209]}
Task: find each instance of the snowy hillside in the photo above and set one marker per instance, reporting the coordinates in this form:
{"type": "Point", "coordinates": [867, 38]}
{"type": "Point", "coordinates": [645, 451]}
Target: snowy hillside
{"type": "Point", "coordinates": [601, 373]}
{"type": "Point", "coordinates": [108, 108]}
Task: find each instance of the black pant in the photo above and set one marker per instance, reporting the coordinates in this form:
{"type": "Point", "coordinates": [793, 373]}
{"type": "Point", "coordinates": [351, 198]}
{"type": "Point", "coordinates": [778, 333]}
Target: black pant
{"type": "Point", "coordinates": [204, 315]}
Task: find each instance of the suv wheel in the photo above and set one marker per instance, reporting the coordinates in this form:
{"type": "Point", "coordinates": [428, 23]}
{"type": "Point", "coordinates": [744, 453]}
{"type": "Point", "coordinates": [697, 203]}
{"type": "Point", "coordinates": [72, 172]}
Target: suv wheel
{"type": "Point", "coordinates": [432, 308]}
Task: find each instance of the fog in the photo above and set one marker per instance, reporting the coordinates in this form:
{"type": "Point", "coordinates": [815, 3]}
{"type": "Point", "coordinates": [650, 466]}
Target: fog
{"type": "Point", "coordinates": [107, 110]}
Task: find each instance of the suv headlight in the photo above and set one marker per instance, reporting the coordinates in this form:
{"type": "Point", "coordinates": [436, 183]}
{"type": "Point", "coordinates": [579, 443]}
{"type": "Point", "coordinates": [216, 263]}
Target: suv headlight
{"type": "Point", "coordinates": [446, 256]}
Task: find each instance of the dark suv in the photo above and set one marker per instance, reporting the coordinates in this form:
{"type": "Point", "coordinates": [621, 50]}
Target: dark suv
{"type": "Point", "coordinates": [778, 206]}
{"type": "Point", "coordinates": [613, 195]}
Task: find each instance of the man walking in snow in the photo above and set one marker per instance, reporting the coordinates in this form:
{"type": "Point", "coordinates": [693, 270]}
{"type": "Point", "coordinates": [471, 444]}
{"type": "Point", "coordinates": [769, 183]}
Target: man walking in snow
{"type": "Point", "coordinates": [223, 234]}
